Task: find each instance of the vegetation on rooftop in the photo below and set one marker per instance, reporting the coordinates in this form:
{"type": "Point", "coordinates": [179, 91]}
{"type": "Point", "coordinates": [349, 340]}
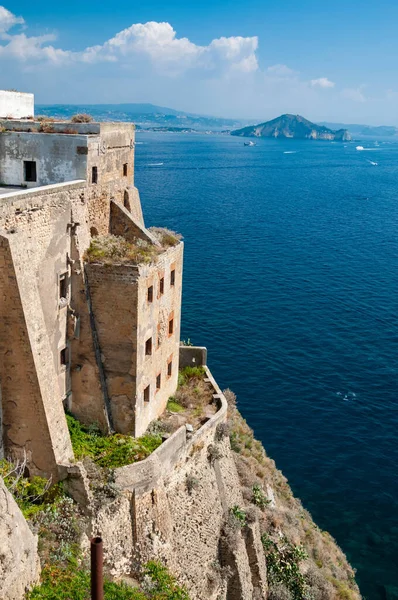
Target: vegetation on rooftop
{"type": "Point", "coordinates": [192, 402]}
{"type": "Point", "coordinates": [166, 237]}
{"type": "Point", "coordinates": [110, 451]}
{"type": "Point", "coordinates": [81, 118]}
{"type": "Point", "coordinates": [112, 248]}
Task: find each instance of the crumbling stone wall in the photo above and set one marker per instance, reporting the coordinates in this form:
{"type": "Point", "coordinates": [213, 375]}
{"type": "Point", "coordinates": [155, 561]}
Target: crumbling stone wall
{"type": "Point", "coordinates": [19, 561]}
{"type": "Point", "coordinates": [175, 507]}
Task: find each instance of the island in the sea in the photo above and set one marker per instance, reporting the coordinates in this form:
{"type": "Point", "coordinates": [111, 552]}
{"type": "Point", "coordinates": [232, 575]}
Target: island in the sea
{"type": "Point", "coordinates": [292, 126]}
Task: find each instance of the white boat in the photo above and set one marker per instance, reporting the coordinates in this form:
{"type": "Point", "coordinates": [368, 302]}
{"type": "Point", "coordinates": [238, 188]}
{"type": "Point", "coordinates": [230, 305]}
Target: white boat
{"type": "Point", "coordinates": [359, 148]}
{"type": "Point", "coordinates": [249, 143]}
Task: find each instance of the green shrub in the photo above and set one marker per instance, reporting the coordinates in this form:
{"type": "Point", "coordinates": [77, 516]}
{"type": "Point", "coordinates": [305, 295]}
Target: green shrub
{"type": "Point", "coordinates": [166, 237]}
{"type": "Point", "coordinates": [239, 515]}
{"type": "Point", "coordinates": [163, 586]}
{"type": "Point", "coordinates": [81, 118]}
{"type": "Point", "coordinates": [73, 583]}
{"type": "Point", "coordinates": [189, 373]}
{"type": "Point", "coordinates": [173, 406]}
{"type": "Point", "coordinates": [32, 495]}
{"type": "Point", "coordinates": [283, 560]}
{"type": "Point", "coordinates": [112, 248]}
{"type": "Point", "coordinates": [258, 497]}
{"type": "Point", "coordinates": [111, 451]}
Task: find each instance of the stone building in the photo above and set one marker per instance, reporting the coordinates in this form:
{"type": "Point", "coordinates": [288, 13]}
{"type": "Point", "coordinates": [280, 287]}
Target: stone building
{"type": "Point", "coordinates": [97, 337]}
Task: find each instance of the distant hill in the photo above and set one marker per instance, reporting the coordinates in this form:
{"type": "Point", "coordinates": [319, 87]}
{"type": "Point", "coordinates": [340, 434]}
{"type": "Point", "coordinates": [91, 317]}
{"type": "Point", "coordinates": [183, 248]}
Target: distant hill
{"type": "Point", "coordinates": [146, 116]}
{"type": "Point", "coordinates": [292, 126]}
{"type": "Point", "coordinates": [357, 129]}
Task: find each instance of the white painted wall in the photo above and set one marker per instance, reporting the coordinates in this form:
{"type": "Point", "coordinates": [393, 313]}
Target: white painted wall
{"type": "Point", "coordinates": [56, 156]}
{"type": "Point", "coordinates": [17, 105]}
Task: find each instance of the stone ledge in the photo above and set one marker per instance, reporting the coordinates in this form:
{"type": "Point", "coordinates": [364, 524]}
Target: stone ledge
{"type": "Point", "coordinates": [44, 189]}
{"type": "Point", "coordinates": [144, 475]}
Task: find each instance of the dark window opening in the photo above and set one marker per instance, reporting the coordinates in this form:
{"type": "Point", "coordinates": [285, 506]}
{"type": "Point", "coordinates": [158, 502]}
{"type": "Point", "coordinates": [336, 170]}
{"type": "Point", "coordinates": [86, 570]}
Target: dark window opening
{"type": "Point", "coordinates": [30, 170]}
{"type": "Point", "coordinates": [172, 277]}
{"type": "Point", "coordinates": [63, 286]}
{"type": "Point", "coordinates": [150, 293]}
{"type": "Point", "coordinates": [64, 357]}
{"type": "Point", "coordinates": [148, 347]}
{"type": "Point", "coordinates": [161, 286]}
{"type": "Point", "coordinates": [147, 393]}
{"type": "Point", "coordinates": [94, 175]}
{"type": "Point", "coordinates": [158, 381]}
{"type": "Point", "coordinates": [126, 201]}
{"type": "Point", "coordinates": [125, 170]}
{"type": "Point", "coordinates": [169, 368]}
{"type": "Point", "coordinates": [93, 231]}
{"type": "Point", "coordinates": [171, 326]}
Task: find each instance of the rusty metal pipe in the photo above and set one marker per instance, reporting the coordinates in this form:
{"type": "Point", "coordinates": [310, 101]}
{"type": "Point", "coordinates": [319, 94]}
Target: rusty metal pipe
{"type": "Point", "coordinates": [97, 576]}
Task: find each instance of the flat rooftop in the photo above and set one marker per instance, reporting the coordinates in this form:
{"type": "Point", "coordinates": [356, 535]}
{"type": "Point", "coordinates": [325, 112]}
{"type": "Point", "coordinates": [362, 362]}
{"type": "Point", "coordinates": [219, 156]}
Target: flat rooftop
{"type": "Point", "coordinates": [8, 189]}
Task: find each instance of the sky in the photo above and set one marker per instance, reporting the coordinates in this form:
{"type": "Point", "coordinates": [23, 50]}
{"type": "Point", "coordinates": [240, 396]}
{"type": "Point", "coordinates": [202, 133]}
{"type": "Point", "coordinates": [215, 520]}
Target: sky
{"type": "Point", "coordinates": [328, 61]}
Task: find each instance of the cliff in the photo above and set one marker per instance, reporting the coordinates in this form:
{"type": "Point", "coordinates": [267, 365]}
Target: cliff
{"type": "Point", "coordinates": [208, 503]}
{"type": "Point", "coordinates": [19, 561]}
{"type": "Point", "coordinates": [292, 126]}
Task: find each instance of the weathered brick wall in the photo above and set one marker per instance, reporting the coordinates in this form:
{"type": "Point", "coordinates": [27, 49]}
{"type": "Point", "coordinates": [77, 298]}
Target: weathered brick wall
{"type": "Point", "coordinates": [125, 320]}
{"type": "Point", "coordinates": [113, 291]}
{"type": "Point", "coordinates": [25, 424]}
{"type": "Point", "coordinates": [38, 228]}
{"type": "Point", "coordinates": [153, 322]}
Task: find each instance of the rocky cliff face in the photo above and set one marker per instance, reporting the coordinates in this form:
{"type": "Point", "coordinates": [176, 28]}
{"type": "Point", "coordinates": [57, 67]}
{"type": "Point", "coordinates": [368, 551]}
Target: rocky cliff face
{"type": "Point", "coordinates": [219, 514]}
{"type": "Point", "coordinates": [209, 504]}
{"type": "Point", "coordinates": [292, 126]}
{"type": "Point", "coordinates": [19, 561]}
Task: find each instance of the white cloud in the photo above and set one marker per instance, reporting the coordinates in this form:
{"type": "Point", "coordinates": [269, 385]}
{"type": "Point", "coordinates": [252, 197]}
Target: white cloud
{"type": "Point", "coordinates": [281, 71]}
{"type": "Point", "coordinates": [154, 42]}
{"type": "Point", "coordinates": [8, 20]}
{"type": "Point", "coordinates": [354, 94]}
{"type": "Point", "coordinates": [322, 82]}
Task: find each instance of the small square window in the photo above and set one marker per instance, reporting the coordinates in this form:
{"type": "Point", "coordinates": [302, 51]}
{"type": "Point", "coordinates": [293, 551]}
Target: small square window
{"type": "Point", "coordinates": [150, 293]}
{"type": "Point", "coordinates": [94, 175]}
{"type": "Point", "coordinates": [125, 166]}
{"type": "Point", "coordinates": [63, 286]}
{"type": "Point", "coordinates": [147, 393]}
{"type": "Point", "coordinates": [158, 382]}
{"type": "Point", "coordinates": [171, 326]}
{"type": "Point", "coordinates": [30, 172]}
{"type": "Point", "coordinates": [172, 277]}
{"type": "Point", "coordinates": [148, 347]}
{"type": "Point", "coordinates": [170, 368]}
{"type": "Point", "coordinates": [64, 357]}
{"type": "Point", "coordinates": [161, 286]}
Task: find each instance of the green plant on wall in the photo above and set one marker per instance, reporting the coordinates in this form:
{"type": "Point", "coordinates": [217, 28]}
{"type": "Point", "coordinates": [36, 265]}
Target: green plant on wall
{"type": "Point", "coordinates": [110, 451]}
{"type": "Point", "coordinates": [258, 497]}
{"type": "Point", "coordinates": [283, 566]}
{"type": "Point", "coordinates": [239, 515]}
{"type": "Point", "coordinates": [73, 583]}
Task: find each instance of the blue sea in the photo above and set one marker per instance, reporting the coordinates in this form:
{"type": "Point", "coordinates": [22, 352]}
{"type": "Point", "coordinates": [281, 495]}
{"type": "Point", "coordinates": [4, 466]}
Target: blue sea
{"type": "Point", "coordinates": [291, 281]}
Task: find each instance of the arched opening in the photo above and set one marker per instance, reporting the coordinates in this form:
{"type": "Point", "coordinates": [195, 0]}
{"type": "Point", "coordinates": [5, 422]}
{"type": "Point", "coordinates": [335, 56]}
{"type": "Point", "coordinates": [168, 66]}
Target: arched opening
{"type": "Point", "coordinates": [93, 231]}
{"type": "Point", "coordinates": [126, 201]}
